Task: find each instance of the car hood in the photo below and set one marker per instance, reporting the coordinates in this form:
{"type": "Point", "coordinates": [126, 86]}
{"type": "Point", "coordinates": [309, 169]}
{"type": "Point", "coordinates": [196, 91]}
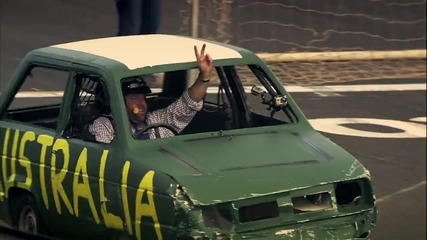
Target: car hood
{"type": "Point", "coordinates": [230, 167]}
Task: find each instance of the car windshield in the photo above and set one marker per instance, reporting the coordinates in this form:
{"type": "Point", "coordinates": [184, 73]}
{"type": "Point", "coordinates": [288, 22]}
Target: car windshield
{"type": "Point", "coordinates": [237, 97]}
{"type": "Point", "coordinates": [265, 104]}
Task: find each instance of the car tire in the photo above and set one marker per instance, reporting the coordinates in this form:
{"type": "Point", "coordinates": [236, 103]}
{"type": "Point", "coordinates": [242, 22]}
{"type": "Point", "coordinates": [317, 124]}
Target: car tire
{"type": "Point", "coordinates": [25, 214]}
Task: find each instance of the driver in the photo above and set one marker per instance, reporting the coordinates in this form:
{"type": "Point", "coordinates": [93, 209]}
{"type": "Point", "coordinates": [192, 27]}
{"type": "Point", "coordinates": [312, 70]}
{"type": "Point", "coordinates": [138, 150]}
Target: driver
{"type": "Point", "coordinates": [177, 115]}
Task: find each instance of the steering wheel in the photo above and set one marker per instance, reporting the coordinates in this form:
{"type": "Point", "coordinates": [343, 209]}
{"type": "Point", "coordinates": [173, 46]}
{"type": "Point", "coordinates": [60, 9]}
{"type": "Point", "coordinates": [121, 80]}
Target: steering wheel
{"type": "Point", "coordinates": [138, 133]}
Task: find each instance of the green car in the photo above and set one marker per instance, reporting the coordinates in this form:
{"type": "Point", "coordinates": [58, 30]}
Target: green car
{"type": "Point", "coordinates": [248, 166]}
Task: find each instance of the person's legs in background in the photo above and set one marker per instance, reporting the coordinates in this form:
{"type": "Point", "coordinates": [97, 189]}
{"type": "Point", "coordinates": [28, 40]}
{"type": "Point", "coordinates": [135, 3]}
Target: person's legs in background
{"type": "Point", "coordinates": [129, 15]}
{"type": "Point", "coordinates": [151, 15]}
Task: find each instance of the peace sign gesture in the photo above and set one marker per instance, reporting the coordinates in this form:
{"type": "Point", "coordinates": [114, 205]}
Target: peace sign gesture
{"type": "Point", "coordinates": [204, 62]}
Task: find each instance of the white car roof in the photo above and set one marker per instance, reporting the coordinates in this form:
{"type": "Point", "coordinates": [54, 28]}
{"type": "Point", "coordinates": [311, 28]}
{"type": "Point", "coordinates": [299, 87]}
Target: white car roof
{"type": "Point", "coordinates": [139, 51]}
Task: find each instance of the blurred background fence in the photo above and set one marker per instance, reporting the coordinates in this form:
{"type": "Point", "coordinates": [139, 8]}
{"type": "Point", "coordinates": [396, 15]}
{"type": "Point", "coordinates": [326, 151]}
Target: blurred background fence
{"type": "Point", "coordinates": [336, 40]}
{"type": "Point", "coordinates": [306, 42]}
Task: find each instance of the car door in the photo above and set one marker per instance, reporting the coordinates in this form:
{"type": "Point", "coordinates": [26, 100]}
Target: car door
{"type": "Point", "coordinates": [28, 128]}
{"type": "Point", "coordinates": [95, 167]}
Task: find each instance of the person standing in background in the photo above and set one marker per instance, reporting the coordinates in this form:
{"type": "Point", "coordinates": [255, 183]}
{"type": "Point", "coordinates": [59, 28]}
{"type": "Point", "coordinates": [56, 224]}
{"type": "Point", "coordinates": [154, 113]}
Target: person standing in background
{"type": "Point", "coordinates": [138, 16]}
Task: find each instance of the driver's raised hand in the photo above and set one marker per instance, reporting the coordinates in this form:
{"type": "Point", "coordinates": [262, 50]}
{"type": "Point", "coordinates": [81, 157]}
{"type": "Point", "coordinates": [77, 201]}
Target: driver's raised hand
{"type": "Point", "coordinates": [204, 62]}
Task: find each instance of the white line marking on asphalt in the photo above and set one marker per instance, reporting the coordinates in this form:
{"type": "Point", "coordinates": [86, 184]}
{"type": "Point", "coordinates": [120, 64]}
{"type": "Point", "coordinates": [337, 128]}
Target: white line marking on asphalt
{"type": "Point", "coordinates": [291, 89]}
{"type": "Point", "coordinates": [402, 191]}
{"type": "Point", "coordinates": [39, 94]}
{"type": "Point", "coordinates": [360, 88]}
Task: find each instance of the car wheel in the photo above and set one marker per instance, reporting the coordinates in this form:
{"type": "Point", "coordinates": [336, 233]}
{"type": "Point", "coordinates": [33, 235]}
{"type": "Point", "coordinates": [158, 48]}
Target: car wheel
{"type": "Point", "coordinates": [25, 215]}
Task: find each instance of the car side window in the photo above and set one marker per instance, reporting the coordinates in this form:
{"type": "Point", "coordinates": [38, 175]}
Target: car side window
{"type": "Point", "coordinates": [38, 99]}
{"type": "Point", "coordinates": [90, 102]}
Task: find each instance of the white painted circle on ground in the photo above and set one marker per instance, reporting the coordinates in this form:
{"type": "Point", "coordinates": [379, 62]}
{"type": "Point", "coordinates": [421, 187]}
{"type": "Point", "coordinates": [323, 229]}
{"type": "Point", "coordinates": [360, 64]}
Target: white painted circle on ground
{"type": "Point", "coordinates": [335, 126]}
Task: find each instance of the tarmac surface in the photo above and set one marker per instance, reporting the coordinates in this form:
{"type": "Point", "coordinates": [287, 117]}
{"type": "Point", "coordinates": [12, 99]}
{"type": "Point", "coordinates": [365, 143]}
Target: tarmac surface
{"type": "Point", "coordinates": [393, 151]}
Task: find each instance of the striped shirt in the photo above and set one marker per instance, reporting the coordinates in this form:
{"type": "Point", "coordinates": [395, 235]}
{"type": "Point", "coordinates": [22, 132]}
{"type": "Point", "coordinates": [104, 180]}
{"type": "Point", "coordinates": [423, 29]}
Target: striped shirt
{"type": "Point", "coordinates": [177, 115]}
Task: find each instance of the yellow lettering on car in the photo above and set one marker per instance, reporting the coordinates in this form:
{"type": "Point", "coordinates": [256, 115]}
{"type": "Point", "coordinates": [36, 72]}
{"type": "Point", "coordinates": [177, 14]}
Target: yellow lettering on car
{"type": "Point", "coordinates": [3, 159]}
{"type": "Point", "coordinates": [125, 202]}
{"type": "Point", "coordinates": [146, 209]}
{"type": "Point", "coordinates": [57, 178]}
{"type": "Point", "coordinates": [83, 189]}
{"type": "Point", "coordinates": [24, 161]}
{"type": "Point", "coordinates": [45, 141]}
{"type": "Point", "coordinates": [2, 193]}
{"type": "Point", "coordinates": [13, 158]}
{"type": "Point", "coordinates": [111, 220]}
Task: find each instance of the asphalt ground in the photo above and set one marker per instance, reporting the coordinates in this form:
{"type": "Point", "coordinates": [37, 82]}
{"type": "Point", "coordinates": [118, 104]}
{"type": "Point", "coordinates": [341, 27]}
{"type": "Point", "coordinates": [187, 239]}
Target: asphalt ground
{"type": "Point", "coordinates": [397, 165]}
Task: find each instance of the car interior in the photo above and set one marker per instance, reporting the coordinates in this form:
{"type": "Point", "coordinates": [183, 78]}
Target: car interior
{"type": "Point", "coordinates": [214, 116]}
{"type": "Point", "coordinates": [45, 116]}
{"type": "Point", "coordinates": [227, 109]}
